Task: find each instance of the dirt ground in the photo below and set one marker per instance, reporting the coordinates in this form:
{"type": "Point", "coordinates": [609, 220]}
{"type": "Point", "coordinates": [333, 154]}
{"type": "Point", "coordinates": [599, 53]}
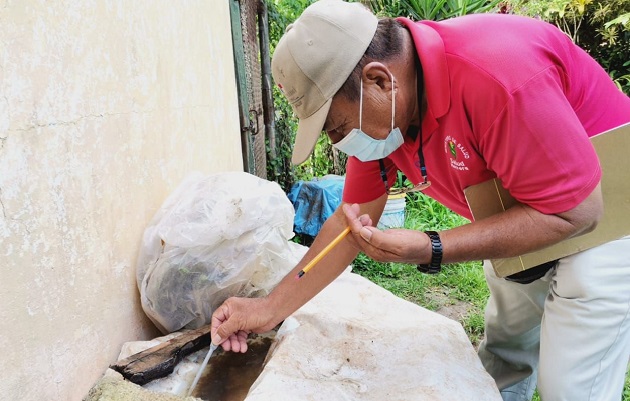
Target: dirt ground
{"type": "Point", "coordinates": [456, 310]}
{"type": "Point", "coordinates": [452, 309]}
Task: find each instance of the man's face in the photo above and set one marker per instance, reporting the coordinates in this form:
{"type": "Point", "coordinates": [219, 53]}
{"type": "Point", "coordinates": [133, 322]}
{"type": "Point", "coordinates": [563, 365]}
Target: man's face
{"type": "Point", "coordinates": [377, 113]}
{"type": "Point", "coordinates": [344, 117]}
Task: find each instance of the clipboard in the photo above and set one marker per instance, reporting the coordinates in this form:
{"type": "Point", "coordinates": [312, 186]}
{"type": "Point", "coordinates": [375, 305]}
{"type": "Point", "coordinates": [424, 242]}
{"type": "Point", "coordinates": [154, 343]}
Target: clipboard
{"type": "Point", "coordinates": [613, 150]}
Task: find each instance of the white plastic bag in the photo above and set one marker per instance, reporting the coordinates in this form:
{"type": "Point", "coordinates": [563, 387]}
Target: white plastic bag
{"type": "Point", "coordinates": [216, 236]}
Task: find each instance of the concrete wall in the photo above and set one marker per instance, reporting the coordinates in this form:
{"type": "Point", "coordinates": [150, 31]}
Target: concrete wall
{"type": "Point", "coordinates": [104, 107]}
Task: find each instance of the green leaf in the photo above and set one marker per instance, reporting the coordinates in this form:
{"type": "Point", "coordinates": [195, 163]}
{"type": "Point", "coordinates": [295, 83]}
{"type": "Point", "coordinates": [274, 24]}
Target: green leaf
{"type": "Point", "coordinates": [623, 19]}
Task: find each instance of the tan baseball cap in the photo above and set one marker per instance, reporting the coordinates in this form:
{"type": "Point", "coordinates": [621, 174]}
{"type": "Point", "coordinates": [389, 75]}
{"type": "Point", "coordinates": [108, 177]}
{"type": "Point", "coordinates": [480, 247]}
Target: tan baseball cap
{"type": "Point", "coordinates": [314, 58]}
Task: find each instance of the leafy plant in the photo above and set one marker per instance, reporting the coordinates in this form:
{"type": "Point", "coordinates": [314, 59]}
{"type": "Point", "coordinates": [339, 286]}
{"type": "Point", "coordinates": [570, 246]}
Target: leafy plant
{"type": "Point", "coordinates": [623, 19]}
{"type": "Point", "coordinates": [434, 10]}
{"type": "Point", "coordinates": [281, 14]}
{"type": "Point", "coordinates": [324, 160]}
{"type": "Point", "coordinates": [285, 125]}
{"type": "Point", "coordinates": [567, 15]}
{"type": "Point", "coordinates": [429, 214]}
{"type": "Point", "coordinates": [616, 36]}
{"type": "Point", "coordinates": [601, 27]}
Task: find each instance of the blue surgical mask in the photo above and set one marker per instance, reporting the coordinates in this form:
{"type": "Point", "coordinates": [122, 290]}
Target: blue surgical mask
{"type": "Point", "coordinates": [365, 148]}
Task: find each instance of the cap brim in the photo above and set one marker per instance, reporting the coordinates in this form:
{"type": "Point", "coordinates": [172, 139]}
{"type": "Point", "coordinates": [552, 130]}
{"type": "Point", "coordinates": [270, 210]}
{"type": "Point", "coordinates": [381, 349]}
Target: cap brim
{"type": "Point", "coordinates": [308, 132]}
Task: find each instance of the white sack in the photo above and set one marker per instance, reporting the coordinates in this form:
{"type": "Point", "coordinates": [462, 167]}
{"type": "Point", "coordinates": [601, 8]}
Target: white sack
{"type": "Point", "coordinates": [357, 341]}
{"type": "Point", "coordinates": [216, 236]}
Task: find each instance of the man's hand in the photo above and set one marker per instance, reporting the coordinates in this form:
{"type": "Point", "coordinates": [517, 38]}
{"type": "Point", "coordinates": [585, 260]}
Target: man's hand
{"type": "Point", "coordinates": [236, 318]}
{"type": "Point", "coordinates": [394, 245]}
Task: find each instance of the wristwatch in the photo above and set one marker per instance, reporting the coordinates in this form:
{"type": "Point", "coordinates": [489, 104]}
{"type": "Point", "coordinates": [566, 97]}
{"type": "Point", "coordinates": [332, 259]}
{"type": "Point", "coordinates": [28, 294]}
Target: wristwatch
{"type": "Point", "coordinates": [436, 255]}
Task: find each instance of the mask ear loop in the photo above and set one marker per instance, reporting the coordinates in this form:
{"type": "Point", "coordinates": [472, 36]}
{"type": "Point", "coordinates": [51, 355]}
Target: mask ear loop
{"type": "Point", "coordinates": [361, 106]}
{"type": "Point", "coordinates": [423, 170]}
{"type": "Point", "coordinates": [393, 100]}
{"type": "Point", "coordinates": [381, 164]}
{"type": "Point", "coordinates": [419, 90]}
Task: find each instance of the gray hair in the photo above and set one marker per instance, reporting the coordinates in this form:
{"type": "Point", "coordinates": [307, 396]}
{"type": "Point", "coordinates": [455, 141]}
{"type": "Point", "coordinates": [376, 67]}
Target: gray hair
{"type": "Point", "coordinates": [386, 44]}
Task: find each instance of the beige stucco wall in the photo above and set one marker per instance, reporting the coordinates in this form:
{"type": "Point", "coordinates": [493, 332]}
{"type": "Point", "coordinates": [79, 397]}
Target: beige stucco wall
{"type": "Point", "coordinates": [104, 107]}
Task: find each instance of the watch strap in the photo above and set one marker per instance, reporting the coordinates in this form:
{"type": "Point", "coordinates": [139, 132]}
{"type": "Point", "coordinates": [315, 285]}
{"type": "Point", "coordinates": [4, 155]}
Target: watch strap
{"type": "Point", "coordinates": [436, 255]}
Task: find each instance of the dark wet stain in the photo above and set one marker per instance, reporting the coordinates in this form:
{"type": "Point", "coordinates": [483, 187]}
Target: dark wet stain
{"type": "Point", "coordinates": [229, 375]}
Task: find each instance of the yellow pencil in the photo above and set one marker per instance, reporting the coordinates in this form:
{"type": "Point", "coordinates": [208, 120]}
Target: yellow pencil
{"type": "Point", "coordinates": [323, 253]}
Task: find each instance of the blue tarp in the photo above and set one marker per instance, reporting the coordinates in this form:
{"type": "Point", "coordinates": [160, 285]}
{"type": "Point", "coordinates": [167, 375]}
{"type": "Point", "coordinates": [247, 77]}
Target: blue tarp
{"type": "Point", "coordinates": [315, 201]}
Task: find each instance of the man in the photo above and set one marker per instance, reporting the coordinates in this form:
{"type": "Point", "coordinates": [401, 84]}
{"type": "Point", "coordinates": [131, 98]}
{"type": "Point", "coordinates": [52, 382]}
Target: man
{"type": "Point", "coordinates": [453, 104]}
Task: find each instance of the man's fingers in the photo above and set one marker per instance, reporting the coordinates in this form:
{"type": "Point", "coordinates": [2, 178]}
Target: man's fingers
{"type": "Point", "coordinates": [367, 233]}
{"type": "Point", "coordinates": [355, 208]}
{"type": "Point", "coordinates": [357, 223]}
{"type": "Point", "coordinates": [224, 331]}
{"type": "Point", "coordinates": [224, 326]}
{"type": "Point", "coordinates": [227, 345]}
{"type": "Point", "coordinates": [347, 210]}
{"type": "Point", "coordinates": [387, 240]}
{"type": "Point", "coordinates": [218, 330]}
{"type": "Point", "coordinates": [352, 216]}
{"type": "Point", "coordinates": [242, 338]}
{"type": "Point", "coordinates": [383, 246]}
{"type": "Point", "coordinates": [365, 220]}
{"type": "Point", "coordinates": [235, 344]}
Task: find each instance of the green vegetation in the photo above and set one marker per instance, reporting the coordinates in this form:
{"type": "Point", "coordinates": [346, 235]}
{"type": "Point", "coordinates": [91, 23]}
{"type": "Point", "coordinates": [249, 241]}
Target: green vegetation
{"type": "Point", "coordinates": [324, 160]}
{"type": "Point", "coordinates": [434, 10]}
{"type": "Point", "coordinates": [601, 27]}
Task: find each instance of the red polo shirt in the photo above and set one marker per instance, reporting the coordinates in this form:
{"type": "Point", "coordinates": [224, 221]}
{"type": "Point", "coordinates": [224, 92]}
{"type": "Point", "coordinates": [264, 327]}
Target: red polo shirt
{"type": "Point", "coordinates": [509, 97]}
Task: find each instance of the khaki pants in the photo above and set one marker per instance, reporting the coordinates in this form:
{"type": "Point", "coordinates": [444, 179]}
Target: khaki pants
{"type": "Point", "coordinates": [567, 333]}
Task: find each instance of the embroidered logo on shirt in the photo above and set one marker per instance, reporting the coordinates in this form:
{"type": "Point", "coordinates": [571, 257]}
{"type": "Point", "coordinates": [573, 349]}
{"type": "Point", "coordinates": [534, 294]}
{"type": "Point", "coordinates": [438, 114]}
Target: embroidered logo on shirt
{"type": "Point", "coordinates": [451, 146]}
{"type": "Point", "coordinates": [458, 153]}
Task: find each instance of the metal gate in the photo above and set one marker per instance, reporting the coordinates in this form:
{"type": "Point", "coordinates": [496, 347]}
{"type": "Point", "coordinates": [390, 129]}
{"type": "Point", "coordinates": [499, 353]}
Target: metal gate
{"type": "Point", "coordinates": [245, 18]}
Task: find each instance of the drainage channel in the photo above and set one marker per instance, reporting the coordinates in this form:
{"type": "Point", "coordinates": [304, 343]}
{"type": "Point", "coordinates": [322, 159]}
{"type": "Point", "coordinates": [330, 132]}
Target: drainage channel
{"type": "Point", "coordinates": [229, 375]}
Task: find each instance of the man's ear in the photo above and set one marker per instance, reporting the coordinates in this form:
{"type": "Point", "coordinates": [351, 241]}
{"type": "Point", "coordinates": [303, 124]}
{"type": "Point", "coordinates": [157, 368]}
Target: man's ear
{"type": "Point", "coordinates": [377, 73]}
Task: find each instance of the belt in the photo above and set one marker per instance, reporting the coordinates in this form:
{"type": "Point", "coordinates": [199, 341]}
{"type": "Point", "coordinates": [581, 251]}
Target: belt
{"type": "Point", "coordinates": [532, 274]}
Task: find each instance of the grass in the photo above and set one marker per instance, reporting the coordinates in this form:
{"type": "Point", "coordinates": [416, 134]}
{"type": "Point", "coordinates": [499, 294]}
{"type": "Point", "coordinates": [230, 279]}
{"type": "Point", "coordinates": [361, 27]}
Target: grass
{"type": "Point", "coordinates": [460, 287]}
